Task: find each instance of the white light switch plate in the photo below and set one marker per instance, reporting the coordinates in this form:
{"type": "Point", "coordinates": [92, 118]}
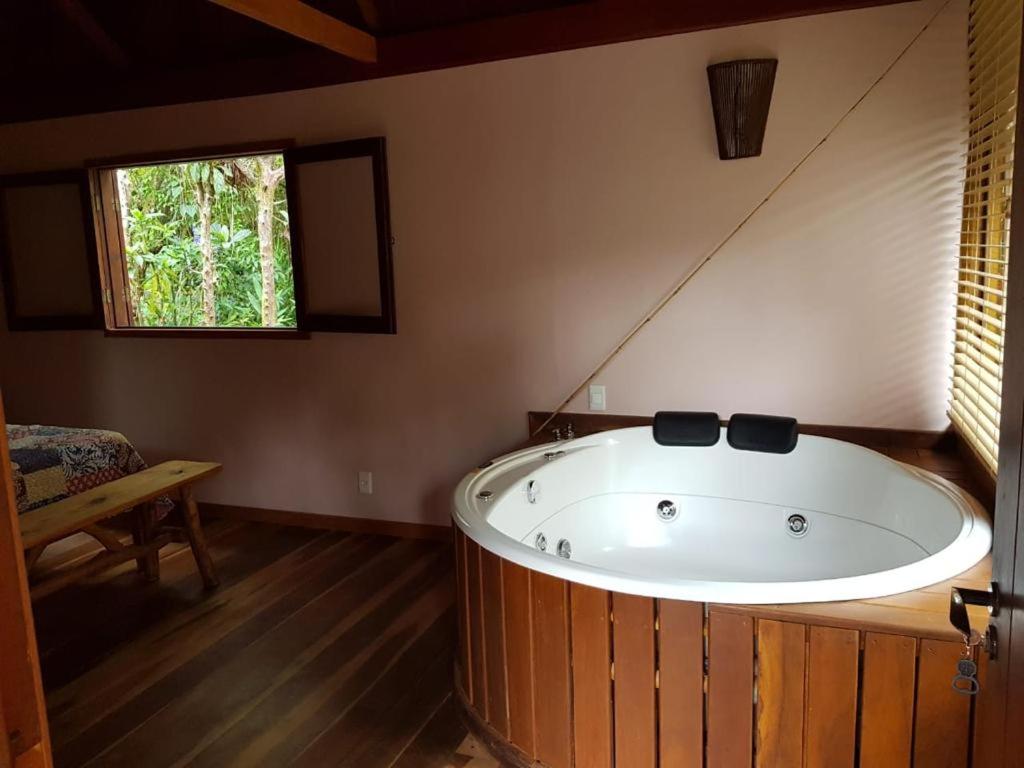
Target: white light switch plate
{"type": "Point", "coordinates": [597, 398]}
{"type": "Point", "coordinates": [366, 482]}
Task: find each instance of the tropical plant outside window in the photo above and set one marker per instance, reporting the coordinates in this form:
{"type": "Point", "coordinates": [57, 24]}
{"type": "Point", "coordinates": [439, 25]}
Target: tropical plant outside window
{"type": "Point", "coordinates": [206, 243]}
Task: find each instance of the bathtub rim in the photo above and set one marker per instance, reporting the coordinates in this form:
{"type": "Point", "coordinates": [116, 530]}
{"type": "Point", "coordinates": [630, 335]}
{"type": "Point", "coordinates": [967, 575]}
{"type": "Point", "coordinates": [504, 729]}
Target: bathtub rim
{"type": "Point", "coordinates": [971, 545]}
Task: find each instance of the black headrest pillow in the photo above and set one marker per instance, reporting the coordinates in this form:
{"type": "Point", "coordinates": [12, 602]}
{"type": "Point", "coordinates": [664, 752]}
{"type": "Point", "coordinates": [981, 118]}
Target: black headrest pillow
{"type": "Point", "coordinates": [768, 434]}
{"type": "Point", "coordinates": [693, 428]}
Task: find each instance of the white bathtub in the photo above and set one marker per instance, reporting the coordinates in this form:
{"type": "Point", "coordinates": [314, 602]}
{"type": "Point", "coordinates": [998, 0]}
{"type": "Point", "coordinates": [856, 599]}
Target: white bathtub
{"type": "Point", "coordinates": [828, 521]}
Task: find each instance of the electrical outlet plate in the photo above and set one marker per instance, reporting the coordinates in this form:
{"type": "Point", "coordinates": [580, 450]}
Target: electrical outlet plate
{"type": "Point", "coordinates": [597, 398]}
{"type": "Point", "coordinates": [366, 482]}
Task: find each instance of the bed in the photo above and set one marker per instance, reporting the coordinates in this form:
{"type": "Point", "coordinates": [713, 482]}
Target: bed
{"type": "Point", "coordinates": [53, 463]}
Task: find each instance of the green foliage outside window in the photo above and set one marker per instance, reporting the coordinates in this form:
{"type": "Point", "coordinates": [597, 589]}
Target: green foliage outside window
{"type": "Point", "coordinates": [193, 243]}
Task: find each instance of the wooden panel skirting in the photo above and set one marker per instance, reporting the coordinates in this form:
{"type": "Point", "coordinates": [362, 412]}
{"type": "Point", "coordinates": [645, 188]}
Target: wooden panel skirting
{"type": "Point", "coordinates": [328, 522]}
{"type": "Point", "coordinates": [828, 691]}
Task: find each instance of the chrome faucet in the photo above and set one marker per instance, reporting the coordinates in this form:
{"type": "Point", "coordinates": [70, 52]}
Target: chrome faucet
{"type": "Point", "coordinates": [570, 432]}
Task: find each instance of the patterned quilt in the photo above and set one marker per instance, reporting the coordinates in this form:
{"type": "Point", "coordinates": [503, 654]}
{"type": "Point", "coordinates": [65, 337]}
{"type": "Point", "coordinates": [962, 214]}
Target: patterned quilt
{"type": "Point", "coordinates": [52, 463]}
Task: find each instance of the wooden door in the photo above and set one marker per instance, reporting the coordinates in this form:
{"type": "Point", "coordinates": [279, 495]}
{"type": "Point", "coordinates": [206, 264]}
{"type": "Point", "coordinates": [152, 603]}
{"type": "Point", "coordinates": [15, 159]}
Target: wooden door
{"type": "Point", "coordinates": [1000, 713]}
{"type": "Point", "coordinates": [26, 739]}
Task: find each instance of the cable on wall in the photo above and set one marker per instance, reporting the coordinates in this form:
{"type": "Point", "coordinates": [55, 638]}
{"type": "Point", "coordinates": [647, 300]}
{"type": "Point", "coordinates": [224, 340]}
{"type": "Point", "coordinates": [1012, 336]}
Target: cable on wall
{"type": "Point", "coordinates": [679, 286]}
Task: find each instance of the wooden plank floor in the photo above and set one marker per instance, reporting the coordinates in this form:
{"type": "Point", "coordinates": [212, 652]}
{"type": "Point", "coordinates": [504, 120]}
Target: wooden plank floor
{"type": "Point", "coordinates": [319, 649]}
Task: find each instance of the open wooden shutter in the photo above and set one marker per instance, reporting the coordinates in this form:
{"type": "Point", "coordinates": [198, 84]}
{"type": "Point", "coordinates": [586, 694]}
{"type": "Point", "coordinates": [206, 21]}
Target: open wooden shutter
{"type": "Point", "coordinates": [48, 252]}
{"type": "Point", "coordinates": [341, 236]}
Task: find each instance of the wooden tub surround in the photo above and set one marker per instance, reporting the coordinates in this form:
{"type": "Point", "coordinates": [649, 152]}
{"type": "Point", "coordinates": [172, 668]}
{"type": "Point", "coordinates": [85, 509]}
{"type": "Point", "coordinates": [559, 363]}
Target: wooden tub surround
{"type": "Point", "coordinates": [556, 674]}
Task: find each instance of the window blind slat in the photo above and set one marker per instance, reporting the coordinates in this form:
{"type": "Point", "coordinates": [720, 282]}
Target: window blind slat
{"type": "Point", "coordinates": [988, 426]}
{"type": "Point", "coordinates": [996, 322]}
{"type": "Point", "coordinates": [965, 352]}
{"type": "Point", "coordinates": [985, 447]}
{"type": "Point", "coordinates": [988, 395]}
{"type": "Point", "coordinates": [989, 351]}
{"type": "Point", "coordinates": [982, 284]}
{"type": "Point", "coordinates": [987, 431]}
{"type": "Point", "coordinates": [981, 331]}
{"type": "Point", "coordinates": [995, 309]}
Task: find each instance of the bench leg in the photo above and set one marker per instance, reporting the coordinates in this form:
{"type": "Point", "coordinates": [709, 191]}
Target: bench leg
{"type": "Point", "coordinates": [196, 540]}
{"type": "Point", "coordinates": [142, 533]}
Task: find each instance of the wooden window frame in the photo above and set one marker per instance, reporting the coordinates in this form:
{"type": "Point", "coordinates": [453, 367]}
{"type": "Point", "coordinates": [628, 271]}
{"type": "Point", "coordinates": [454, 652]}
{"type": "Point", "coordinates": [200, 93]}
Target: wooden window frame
{"type": "Point", "coordinates": [110, 249]}
{"type": "Point", "coordinates": [17, 322]}
{"type": "Point", "coordinates": [376, 149]}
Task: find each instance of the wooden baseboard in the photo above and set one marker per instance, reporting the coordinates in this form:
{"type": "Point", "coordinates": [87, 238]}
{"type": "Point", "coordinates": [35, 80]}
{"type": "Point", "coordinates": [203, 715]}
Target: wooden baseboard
{"type": "Point", "coordinates": [870, 437]}
{"type": "Point", "coordinates": [328, 522]}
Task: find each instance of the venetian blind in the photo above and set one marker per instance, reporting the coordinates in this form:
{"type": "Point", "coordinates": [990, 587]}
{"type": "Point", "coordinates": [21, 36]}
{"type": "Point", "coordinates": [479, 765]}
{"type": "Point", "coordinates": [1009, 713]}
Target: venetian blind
{"type": "Point", "coordinates": [994, 36]}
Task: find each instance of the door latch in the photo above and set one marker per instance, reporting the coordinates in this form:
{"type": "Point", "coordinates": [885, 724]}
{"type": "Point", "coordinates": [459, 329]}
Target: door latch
{"type": "Point", "coordinates": [959, 599]}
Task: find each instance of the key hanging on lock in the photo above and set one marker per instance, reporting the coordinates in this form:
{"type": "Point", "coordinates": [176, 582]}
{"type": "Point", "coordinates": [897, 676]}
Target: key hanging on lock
{"type": "Point", "coordinates": [965, 681]}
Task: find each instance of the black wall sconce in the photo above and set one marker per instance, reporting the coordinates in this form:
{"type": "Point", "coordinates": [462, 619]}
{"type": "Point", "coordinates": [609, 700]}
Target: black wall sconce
{"type": "Point", "coordinates": [741, 92]}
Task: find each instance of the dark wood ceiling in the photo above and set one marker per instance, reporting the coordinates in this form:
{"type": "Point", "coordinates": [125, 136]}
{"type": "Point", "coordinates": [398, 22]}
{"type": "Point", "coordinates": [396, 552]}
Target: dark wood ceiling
{"type": "Point", "coordinates": [60, 57]}
{"type": "Point", "coordinates": [396, 17]}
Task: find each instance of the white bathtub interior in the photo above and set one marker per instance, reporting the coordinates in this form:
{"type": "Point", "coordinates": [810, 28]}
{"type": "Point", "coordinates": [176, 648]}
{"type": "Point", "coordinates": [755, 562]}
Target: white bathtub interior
{"type": "Point", "coordinates": [870, 525]}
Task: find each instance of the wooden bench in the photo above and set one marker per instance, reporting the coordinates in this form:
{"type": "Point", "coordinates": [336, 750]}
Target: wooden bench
{"type": "Point", "coordinates": [138, 492]}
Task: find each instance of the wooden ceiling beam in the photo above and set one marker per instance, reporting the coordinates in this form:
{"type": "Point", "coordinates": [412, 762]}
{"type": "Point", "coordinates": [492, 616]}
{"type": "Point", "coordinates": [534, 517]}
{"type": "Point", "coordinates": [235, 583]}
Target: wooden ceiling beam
{"type": "Point", "coordinates": [301, 20]}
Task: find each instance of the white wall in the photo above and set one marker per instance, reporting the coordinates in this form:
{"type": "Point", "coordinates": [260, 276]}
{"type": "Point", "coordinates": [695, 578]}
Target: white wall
{"type": "Point", "coordinates": [541, 206]}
